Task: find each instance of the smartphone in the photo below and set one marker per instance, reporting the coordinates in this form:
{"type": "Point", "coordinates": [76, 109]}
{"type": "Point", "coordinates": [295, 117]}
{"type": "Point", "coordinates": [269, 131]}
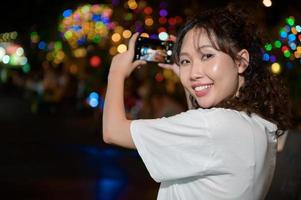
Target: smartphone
{"type": "Point", "coordinates": [153, 50]}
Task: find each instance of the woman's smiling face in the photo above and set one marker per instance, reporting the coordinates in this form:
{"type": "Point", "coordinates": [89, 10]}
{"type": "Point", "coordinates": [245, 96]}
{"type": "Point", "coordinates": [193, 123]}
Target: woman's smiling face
{"type": "Point", "coordinates": [209, 75]}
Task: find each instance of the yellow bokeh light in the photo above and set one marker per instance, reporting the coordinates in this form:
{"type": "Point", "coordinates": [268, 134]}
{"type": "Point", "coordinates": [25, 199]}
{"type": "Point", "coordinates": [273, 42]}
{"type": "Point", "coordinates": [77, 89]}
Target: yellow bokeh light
{"type": "Point", "coordinates": [121, 48]}
{"type": "Point", "coordinates": [118, 29]}
{"type": "Point", "coordinates": [60, 55]}
{"type": "Point", "coordinates": [149, 21]}
{"type": "Point", "coordinates": [73, 43]}
{"type": "Point", "coordinates": [90, 36]}
{"type": "Point", "coordinates": [103, 32]}
{"type": "Point", "coordinates": [299, 49]}
{"type": "Point", "coordinates": [80, 52]}
{"type": "Point", "coordinates": [144, 35]}
{"type": "Point", "coordinates": [276, 68]}
{"type": "Point", "coordinates": [113, 51]}
{"type": "Point", "coordinates": [126, 33]}
{"type": "Point", "coordinates": [116, 37]}
{"type": "Point", "coordinates": [57, 61]}
{"type": "Point", "coordinates": [68, 35]}
{"type": "Point", "coordinates": [99, 25]}
{"type": "Point", "coordinates": [132, 4]}
{"type": "Point", "coordinates": [85, 8]}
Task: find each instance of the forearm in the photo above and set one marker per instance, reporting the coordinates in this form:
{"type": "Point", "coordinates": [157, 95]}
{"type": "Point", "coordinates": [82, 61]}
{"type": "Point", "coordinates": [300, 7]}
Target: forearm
{"type": "Point", "coordinates": [116, 127]}
{"type": "Point", "coordinates": [115, 124]}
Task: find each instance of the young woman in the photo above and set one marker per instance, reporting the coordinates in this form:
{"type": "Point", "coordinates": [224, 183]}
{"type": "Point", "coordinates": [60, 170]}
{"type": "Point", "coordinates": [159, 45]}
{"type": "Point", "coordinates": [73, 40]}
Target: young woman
{"type": "Point", "coordinates": [224, 148]}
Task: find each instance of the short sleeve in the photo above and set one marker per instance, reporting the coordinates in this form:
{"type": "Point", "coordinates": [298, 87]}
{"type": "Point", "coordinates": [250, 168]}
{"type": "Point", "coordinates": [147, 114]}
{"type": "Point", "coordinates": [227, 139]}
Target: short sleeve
{"type": "Point", "coordinates": [174, 147]}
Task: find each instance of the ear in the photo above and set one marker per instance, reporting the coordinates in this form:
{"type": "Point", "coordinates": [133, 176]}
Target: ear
{"type": "Point", "coordinates": [242, 60]}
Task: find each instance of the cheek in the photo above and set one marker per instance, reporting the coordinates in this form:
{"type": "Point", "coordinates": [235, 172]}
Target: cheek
{"type": "Point", "coordinates": [222, 70]}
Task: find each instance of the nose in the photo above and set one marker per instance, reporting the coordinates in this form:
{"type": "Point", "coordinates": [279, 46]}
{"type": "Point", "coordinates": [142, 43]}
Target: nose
{"type": "Point", "coordinates": [196, 71]}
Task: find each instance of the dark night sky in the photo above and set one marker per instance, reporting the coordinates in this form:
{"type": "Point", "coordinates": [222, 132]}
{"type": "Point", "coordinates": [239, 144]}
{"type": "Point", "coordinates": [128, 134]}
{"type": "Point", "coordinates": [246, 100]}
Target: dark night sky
{"type": "Point", "coordinates": [22, 16]}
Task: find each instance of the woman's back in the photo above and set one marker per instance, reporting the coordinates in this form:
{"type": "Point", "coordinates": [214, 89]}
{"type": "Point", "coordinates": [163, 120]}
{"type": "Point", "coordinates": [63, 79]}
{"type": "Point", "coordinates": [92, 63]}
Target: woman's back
{"type": "Point", "coordinates": [208, 154]}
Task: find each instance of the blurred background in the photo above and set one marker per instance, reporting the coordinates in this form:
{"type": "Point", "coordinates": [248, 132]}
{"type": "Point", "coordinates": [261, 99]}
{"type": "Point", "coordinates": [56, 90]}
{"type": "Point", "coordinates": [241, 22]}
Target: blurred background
{"type": "Point", "coordinates": [54, 60]}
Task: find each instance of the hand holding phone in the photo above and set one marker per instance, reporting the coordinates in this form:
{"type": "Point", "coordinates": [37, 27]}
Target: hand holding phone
{"type": "Point", "coordinates": [153, 50]}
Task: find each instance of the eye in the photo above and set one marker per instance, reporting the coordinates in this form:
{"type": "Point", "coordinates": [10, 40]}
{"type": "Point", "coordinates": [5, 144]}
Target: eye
{"type": "Point", "coordinates": [184, 62]}
{"type": "Point", "coordinates": [206, 56]}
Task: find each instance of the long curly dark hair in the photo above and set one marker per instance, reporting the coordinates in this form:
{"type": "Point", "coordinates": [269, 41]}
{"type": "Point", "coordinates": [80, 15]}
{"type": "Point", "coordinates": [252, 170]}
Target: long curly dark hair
{"type": "Point", "coordinates": [262, 93]}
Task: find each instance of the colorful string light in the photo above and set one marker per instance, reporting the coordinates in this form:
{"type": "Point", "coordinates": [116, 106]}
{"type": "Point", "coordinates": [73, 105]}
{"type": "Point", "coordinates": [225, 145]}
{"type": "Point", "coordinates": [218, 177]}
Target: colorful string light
{"type": "Point", "coordinates": [288, 44]}
{"type": "Point", "coordinates": [95, 27]}
{"type": "Point", "coordinates": [12, 55]}
{"type": "Point", "coordinates": [88, 23]}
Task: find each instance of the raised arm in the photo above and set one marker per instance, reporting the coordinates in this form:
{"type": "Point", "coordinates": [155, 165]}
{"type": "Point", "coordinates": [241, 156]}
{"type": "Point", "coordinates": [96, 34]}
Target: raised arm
{"type": "Point", "coordinates": [116, 127]}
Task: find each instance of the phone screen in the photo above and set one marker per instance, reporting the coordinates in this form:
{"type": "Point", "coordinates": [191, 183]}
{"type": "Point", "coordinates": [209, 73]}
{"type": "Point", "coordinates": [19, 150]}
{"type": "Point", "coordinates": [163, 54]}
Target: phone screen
{"type": "Point", "coordinates": [152, 50]}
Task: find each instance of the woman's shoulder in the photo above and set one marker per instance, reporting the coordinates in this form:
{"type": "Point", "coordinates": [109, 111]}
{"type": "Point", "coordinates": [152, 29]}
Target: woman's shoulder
{"type": "Point", "coordinates": [207, 114]}
{"type": "Point", "coordinates": [229, 117]}
{"type": "Point", "coordinates": [207, 117]}
{"type": "Point", "coordinates": [218, 118]}
{"type": "Point", "coordinates": [214, 112]}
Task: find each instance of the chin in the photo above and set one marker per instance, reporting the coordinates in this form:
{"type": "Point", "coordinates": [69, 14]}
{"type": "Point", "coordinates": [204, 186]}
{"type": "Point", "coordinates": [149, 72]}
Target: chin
{"type": "Point", "coordinates": [205, 105]}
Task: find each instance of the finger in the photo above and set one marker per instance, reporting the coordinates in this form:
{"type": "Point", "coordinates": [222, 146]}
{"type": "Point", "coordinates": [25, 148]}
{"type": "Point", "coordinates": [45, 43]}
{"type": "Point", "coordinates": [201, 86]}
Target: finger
{"type": "Point", "coordinates": [168, 66]}
{"type": "Point", "coordinates": [175, 68]}
{"type": "Point", "coordinates": [132, 42]}
{"type": "Point", "coordinates": [138, 63]}
{"type": "Point", "coordinates": [165, 66]}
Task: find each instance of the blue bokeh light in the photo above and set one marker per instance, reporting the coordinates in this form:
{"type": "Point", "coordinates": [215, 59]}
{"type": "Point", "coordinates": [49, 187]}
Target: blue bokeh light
{"type": "Point", "coordinates": [67, 13]}
{"type": "Point", "coordinates": [42, 45]}
{"type": "Point", "coordinates": [266, 57]}
{"type": "Point", "coordinates": [93, 99]}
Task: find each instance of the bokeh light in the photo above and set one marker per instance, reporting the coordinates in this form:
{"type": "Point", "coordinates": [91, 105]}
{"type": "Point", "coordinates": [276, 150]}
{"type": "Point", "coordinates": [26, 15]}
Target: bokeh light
{"type": "Point", "coordinates": [290, 21]}
{"type": "Point", "coordinates": [126, 34]}
{"type": "Point", "coordinates": [88, 23]}
{"type": "Point", "coordinates": [121, 48]}
{"type": "Point", "coordinates": [268, 47]}
{"type": "Point", "coordinates": [276, 68]}
{"type": "Point", "coordinates": [116, 37]}
{"type": "Point", "coordinates": [163, 36]}
{"type": "Point", "coordinates": [12, 54]}
{"type": "Point", "coordinates": [95, 61]}
{"type": "Point", "coordinates": [277, 44]}
{"type": "Point", "coordinates": [267, 3]}
{"type": "Point", "coordinates": [93, 99]}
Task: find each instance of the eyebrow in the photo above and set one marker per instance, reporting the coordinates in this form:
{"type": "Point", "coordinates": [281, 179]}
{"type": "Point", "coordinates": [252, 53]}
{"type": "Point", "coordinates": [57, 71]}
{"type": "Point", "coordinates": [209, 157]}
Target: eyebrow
{"type": "Point", "coordinates": [198, 48]}
{"type": "Point", "coordinates": [205, 46]}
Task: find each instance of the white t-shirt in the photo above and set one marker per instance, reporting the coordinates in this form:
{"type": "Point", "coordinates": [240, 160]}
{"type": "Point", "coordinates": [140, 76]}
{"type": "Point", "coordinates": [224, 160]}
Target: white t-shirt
{"type": "Point", "coordinates": [208, 154]}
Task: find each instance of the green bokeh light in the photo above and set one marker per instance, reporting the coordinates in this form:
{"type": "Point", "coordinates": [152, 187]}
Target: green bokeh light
{"type": "Point", "coordinates": [277, 44]}
{"type": "Point", "coordinates": [287, 54]}
{"type": "Point", "coordinates": [268, 47]}
{"type": "Point", "coordinates": [290, 21]}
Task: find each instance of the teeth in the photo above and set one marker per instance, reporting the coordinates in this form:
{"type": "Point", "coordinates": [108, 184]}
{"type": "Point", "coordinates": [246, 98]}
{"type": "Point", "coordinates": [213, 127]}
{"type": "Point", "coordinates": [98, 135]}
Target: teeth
{"type": "Point", "coordinates": [202, 87]}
